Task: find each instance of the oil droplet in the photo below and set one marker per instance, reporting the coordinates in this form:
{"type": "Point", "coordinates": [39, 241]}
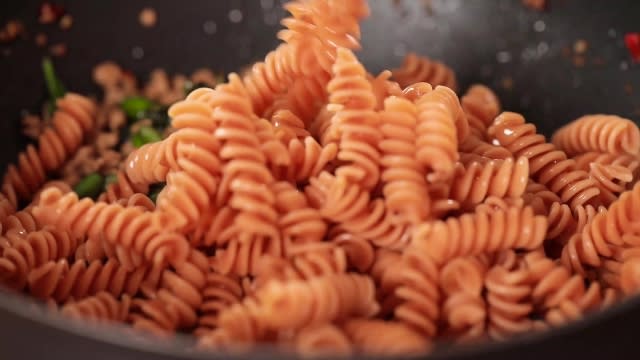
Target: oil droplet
{"type": "Point", "coordinates": [539, 26]}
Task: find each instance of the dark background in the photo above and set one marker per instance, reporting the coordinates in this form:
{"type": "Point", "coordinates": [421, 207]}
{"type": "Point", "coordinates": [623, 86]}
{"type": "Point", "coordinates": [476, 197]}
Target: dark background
{"type": "Point", "coordinates": [526, 56]}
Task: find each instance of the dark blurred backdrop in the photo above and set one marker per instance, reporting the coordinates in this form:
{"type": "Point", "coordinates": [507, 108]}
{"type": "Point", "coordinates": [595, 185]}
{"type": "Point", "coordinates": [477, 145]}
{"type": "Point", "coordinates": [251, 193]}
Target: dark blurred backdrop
{"type": "Point", "coordinates": [527, 56]}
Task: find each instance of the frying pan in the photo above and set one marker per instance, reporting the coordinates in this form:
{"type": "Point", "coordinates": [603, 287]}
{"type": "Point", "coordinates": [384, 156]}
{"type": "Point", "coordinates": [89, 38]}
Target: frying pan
{"type": "Point", "coordinates": [526, 56]}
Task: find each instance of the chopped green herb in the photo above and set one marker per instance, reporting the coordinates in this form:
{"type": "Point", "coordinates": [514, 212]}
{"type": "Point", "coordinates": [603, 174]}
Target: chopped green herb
{"type": "Point", "coordinates": [155, 190]}
{"type": "Point", "coordinates": [144, 136]}
{"type": "Point", "coordinates": [54, 85]}
{"type": "Point", "coordinates": [90, 186]}
{"type": "Point", "coordinates": [137, 107]}
{"type": "Point", "coordinates": [110, 179]}
{"type": "Point", "coordinates": [160, 118]}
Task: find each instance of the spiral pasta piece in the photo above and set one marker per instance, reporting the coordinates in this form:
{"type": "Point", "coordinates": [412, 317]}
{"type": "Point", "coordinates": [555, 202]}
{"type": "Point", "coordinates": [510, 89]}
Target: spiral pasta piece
{"type": "Point", "coordinates": [61, 281]}
{"type": "Point", "coordinates": [386, 271]}
{"type": "Point", "coordinates": [548, 166]}
{"type": "Point", "coordinates": [308, 159]}
{"type": "Point", "coordinates": [322, 340]}
{"type": "Point", "coordinates": [74, 118]}
{"type": "Point", "coordinates": [477, 146]}
{"type": "Point", "coordinates": [149, 164]}
{"type": "Point", "coordinates": [246, 178]}
{"type": "Point", "coordinates": [100, 307]}
{"type": "Point", "coordinates": [604, 133]}
{"type": "Point", "coordinates": [38, 248]}
{"type": "Point", "coordinates": [130, 227]}
{"type": "Point", "coordinates": [631, 162]}
{"type": "Point", "coordinates": [605, 229]}
{"type": "Point", "coordinates": [417, 68]}
{"type": "Point", "coordinates": [508, 292]}
{"type": "Point", "coordinates": [481, 105]}
{"type": "Point", "coordinates": [405, 188]}
{"type": "Point", "coordinates": [475, 182]}
{"type": "Point", "coordinates": [22, 221]}
{"type": "Point", "coordinates": [123, 188]}
{"type": "Point", "coordinates": [179, 296]}
{"type": "Point", "coordinates": [418, 293]}
{"type": "Point", "coordinates": [359, 252]}
{"type": "Point", "coordinates": [288, 125]}
{"type": "Point", "coordinates": [437, 134]}
{"type": "Point", "coordinates": [383, 88]}
{"type": "Point", "coordinates": [306, 262]}
{"type": "Point", "coordinates": [299, 223]}
{"type": "Point", "coordinates": [385, 337]}
{"type": "Point", "coordinates": [243, 257]}
{"type": "Point", "coordinates": [555, 288]}
{"type": "Point", "coordinates": [239, 327]}
{"type": "Point", "coordinates": [316, 301]}
{"type": "Point", "coordinates": [214, 228]}
{"type": "Point", "coordinates": [219, 293]}
{"type": "Point", "coordinates": [349, 205]}
{"type": "Point", "coordinates": [463, 309]}
{"type": "Point", "coordinates": [352, 98]}
{"type": "Point", "coordinates": [188, 191]}
{"type": "Point", "coordinates": [611, 179]}
{"type": "Point", "coordinates": [473, 234]}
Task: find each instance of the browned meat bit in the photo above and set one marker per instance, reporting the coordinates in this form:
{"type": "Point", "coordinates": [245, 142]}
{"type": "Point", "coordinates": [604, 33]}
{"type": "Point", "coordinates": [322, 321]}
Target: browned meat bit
{"type": "Point", "coordinates": [580, 46]}
{"type": "Point", "coordinates": [50, 12]}
{"type": "Point", "coordinates": [148, 17]}
{"type": "Point", "coordinates": [107, 74]}
{"type": "Point", "coordinates": [11, 31]}
{"type": "Point", "coordinates": [32, 126]}
{"type": "Point", "coordinates": [41, 40]}
{"type": "Point", "coordinates": [58, 50]}
{"type": "Point", "coordinates": [66, 22]}
{"type": "Point", "coordinates": [538, 5]}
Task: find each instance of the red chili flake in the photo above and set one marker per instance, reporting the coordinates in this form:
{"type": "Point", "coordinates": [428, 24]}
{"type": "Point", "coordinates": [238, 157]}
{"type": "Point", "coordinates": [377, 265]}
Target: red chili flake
{"type": "Point", "coordinates": [632, 41]}
{"type": "Point", "coordinates": [50, 12]}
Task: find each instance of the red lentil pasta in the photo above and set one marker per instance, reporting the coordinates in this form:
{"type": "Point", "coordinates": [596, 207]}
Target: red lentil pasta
{"type": "Point", "coordinates": [319, 208]}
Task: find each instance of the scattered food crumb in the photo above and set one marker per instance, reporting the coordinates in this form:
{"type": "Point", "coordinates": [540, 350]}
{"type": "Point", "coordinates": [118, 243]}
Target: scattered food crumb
{"type": "Point", "coordinates": [628, 89]}
{"type": "Point", "coordinates": [507, 83]}
{"type": "Point", "coordinates": [566, 51]}
{"type": "Point", "coordinates": [538, 5]}
{"type": "Point", "coordinates": [578, 61]}
{"type": "Point", "coordinates": [598, 61]}
{"type": "Point", "coordinates": [580, 46]}
{"type": "Point", "coordinates": [66, 22]}
{"type": "Point", "coordinates": [632, 41]}
{"type": "Point", "coordinates": [148, 17]}
{"type": "Point", "coordinates": [50, 12]}
{"type": "Point", "coordinates": [41, 39]}
{"type": "Point", "coordinates": [58, 49]}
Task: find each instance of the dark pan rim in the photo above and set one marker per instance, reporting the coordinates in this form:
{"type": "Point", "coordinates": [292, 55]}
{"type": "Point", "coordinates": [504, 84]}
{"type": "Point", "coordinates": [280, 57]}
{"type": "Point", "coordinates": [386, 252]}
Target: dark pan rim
{"type": "Point", "coordinates": [116, 335]}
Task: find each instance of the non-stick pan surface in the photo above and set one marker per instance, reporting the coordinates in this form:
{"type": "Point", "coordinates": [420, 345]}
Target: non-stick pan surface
{"type": "Point", "coordinates": [526, 56]}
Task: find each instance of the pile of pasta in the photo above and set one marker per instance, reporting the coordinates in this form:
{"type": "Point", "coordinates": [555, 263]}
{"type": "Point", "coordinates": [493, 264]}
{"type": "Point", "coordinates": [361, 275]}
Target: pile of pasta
{"type": "Point", "coordinates": [325, 210]}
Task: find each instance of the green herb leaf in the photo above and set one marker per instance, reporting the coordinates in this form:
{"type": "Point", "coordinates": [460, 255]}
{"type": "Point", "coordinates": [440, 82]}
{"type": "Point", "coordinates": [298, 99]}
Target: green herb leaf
{"type": "Point", "coordinates": [90, 186]}
{"type": "Point", "coordinates": [137, 107]}
{"type": "Point", "coordinates": [54, 85]}
{"type": "Point", "coordinates": [144, 136]}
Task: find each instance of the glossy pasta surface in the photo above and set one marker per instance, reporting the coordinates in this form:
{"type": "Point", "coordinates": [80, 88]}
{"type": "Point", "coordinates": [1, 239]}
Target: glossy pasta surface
{"type": "Point", "coordinates": [310, 205]}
